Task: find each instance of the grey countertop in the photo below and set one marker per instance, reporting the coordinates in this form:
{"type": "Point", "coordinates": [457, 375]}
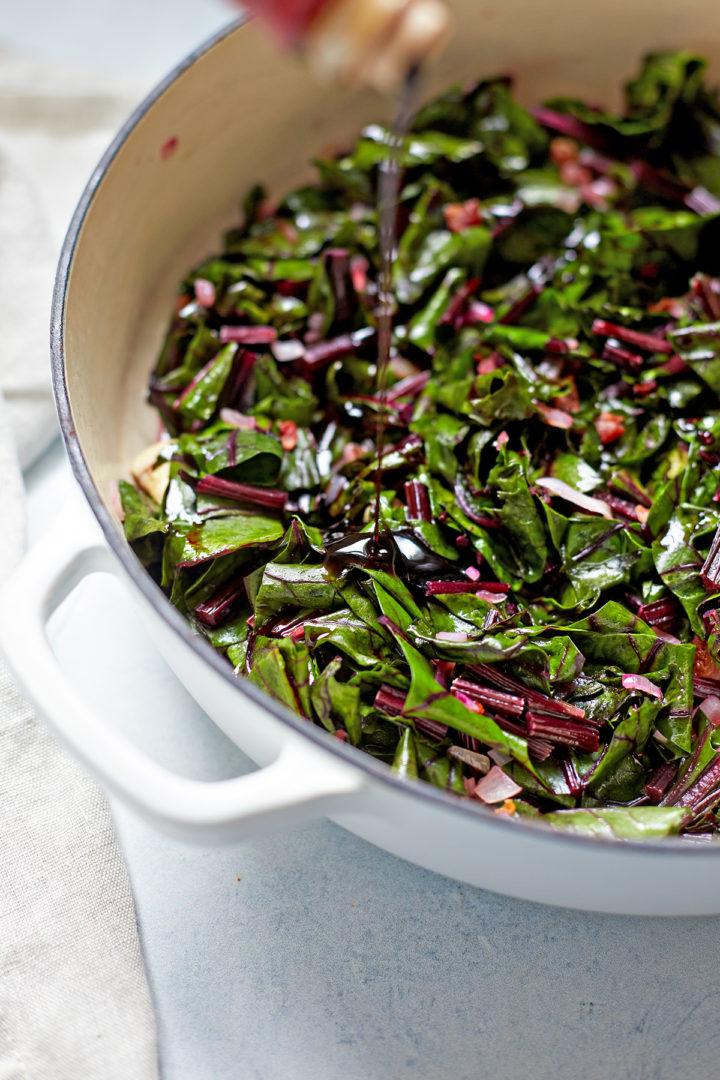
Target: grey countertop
{"type": "Point", "coordinates": [311, 954]}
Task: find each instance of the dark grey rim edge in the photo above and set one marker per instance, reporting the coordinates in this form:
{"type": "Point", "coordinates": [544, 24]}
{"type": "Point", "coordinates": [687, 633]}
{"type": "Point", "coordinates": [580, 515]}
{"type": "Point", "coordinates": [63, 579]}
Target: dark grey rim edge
{"type": "Point", "coordinates": [154, 595]}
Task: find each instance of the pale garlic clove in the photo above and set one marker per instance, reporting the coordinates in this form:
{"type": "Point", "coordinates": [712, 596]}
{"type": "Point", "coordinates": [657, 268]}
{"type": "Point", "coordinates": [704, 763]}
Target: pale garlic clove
{"type": "Point", "coordinates": [151, 476]}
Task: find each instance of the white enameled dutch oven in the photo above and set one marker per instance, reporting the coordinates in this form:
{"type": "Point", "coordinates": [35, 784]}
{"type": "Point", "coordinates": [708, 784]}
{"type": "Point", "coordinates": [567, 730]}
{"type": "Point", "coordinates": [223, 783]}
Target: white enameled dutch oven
{"type": "Point", "coordinates": [234, 113]}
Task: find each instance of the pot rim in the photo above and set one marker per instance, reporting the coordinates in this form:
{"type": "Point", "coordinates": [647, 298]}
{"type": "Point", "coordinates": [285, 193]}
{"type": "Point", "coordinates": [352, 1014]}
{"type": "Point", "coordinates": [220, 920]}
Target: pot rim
{"type": "Point", "coordinates": [375, 770]}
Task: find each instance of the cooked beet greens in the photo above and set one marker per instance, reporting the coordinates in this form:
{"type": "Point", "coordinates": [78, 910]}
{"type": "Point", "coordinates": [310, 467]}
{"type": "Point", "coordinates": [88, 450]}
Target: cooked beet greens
{"type": "Point", "coordinates": [538, 628]}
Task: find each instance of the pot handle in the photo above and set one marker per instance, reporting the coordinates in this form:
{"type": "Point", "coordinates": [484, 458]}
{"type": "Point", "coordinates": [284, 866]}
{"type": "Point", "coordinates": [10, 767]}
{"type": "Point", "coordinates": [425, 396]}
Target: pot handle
{"type": "Point", "coordinates": [301, 784]}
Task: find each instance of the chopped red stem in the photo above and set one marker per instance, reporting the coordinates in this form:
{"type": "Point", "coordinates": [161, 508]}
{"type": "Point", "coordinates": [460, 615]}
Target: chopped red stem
{"type": "Point", "coordinates": [563, 731]}
{"type": "Point", "coordinates": [704, 792]}
{"type": "Point", "coordinates": [624, 358]}
{"type": "Point", "coordinates": [659, 182]}
{"type": "Point", "coordinates": [323, 352]}
{"type": "Point", "coordinates": [459, 300]}
{"type": "Point", "coordinates": [248, 335]}
{"type": "Point", "coordinates": [540, 703]}
{"type": "Point", "coordinates": [477, 312]}
{"type": "Point", "coordinates": [432, 728]}
{"type": "Point", "coordinates": [675, 365]}
{"type": "Point", "coordinates": [389, 700]}
{"type": "Point", "coordinates": [630, 490]}
{"type": "Point", "coordinates": [704, 687]}
{"type": "Point", "coordinates": [662, 613]}
{"type": "Point", "coordinates": [661, 780]}
{"type": "Point", "coordinates": [409, 387]}
{"type": "Point", "coordinates": [243, 364]}
{"type": "Point", "coordinates": [599, 163]}
{"type": "Point", "coordinates": [248, 493]}
{"type": "Point", "coordinates": [443, 672]}
{"type": "Point", "coordinates": [497, 700]}
{"type": "Point", "coordinates": [540, 749]}
{"type": "Point", "coordinates": [621, 507]}
{"type": "Point", "coordinates": [488, 523]}
{"type": "Point", "coordinates": [564, 124]}
{"type": "Point", "coordinates": [211, 612]}
{"type": "Point", "coordinates": [287, 627]}
{"type": "Point", "coordinates": [633, 337]}
{"type": "Point", "coordinates": [410, 500]}
{"type": "Point", "coordinates": [418, 501]}
{"type": "Point", "coordinates": [572, 778]}
{"type": "Point", "coordinates": [518, 309]}
{"type": "Point", "coordinates": [338, 266]}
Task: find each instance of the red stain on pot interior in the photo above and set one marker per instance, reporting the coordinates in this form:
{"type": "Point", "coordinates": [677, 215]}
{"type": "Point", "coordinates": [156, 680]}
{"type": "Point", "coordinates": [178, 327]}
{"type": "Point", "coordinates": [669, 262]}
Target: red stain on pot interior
{"type": "Point", "coordinates": [169, 147]}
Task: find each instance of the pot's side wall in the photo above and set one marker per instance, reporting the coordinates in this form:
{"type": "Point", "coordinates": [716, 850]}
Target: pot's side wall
{"type": "Point", "coordinates": [522, 861]}
{"type": "Point", "coordinates": [572, 48]}
{"type": "Point", "coordinates": [240, 114]}
{"type": "Point", "coordinates": [617, 879]}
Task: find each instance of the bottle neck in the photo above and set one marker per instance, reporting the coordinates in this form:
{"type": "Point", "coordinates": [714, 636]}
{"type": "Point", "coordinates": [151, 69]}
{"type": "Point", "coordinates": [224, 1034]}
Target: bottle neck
{"type": "Point", "coordinates": [350, 42]}
{"type": "Point", "coordinates": [375, 42]}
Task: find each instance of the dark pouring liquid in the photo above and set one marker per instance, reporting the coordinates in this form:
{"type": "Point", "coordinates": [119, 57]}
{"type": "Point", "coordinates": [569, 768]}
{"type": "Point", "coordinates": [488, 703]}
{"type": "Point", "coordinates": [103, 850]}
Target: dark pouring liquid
{"type": "Point", "coordinates": [388, 187]}
{"type": "Point", "coordinates": [400, 553]}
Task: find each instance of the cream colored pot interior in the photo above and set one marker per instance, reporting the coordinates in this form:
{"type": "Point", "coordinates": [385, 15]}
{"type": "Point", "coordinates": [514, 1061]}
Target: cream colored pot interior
{"type": "Point", "coordinates": [242, 113]}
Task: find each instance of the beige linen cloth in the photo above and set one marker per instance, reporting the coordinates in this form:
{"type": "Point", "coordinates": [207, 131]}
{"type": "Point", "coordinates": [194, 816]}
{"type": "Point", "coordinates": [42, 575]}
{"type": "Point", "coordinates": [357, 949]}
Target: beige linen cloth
{"type": "Point", "coordinates": [74, 1002]}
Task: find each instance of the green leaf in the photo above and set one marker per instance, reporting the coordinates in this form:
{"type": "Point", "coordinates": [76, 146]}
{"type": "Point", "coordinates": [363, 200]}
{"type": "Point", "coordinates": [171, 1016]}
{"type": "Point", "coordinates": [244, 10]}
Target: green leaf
{"type": "Point", "coordinates": [289, 585]}
{"type": "Point", "coordinates": [441, 435]}
{"type": "Point", "coordinates": [620, 823]}
{"type": "Point", "coordinates": [519, 514]}
{"type": "Point", "coordinates": [427, 699]}
{"type": "Point", "coordinates": [142, 516]}
{"type": "Point", "coordinates": [405, 760]}
{"type": "Point", "coordinates": [221, 535]}
{"type": "Point", "coordinates": [678, 564]}
{"type": "Point", "coordinates": [282, 668]}
{"type": "Point", "coordinates": [250, 457]}
{"type": "Point", "coordinates": [334, 700]}
{"type": "Point", "coordinates": [628, 740]}
{"type": "Point", "coordinates": [200, 401]}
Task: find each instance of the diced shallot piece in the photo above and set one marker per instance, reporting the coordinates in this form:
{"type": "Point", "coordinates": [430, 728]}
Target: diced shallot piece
{"type": "Point", "coordinates": [204, 292]}
{"type": "Point", "coordinates": [496, 786]}
{"type": "Point", "coordinates": [288, 434]}
{"type": "Point", "coordinates": [460, 216]}
{"type": "Point", "coordinates": [609, 427]}
{"type": "Point", "coordinates": [152, 473]}
{"type": "Point", "coordinates": [473, 706]}
{"type": "Point", "coordinates": [288, 350]}
{"type": "Point", "coordinates": [577, 498]}
{"type": "Point", "coordinates": [553, 417]}
{"type": "Point", "coordinates": [639, 682]}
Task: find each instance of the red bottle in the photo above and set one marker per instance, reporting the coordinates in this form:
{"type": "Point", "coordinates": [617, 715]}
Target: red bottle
{"type": "Point", "coordinates": [358, 41]}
